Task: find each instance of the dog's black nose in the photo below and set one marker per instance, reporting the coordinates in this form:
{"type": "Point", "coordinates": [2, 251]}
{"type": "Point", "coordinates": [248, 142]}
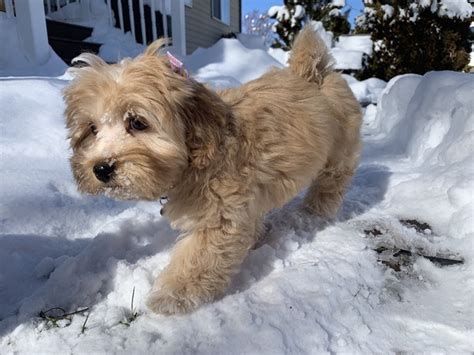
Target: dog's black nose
{"type": "Point", "coordinates": [103, 171]}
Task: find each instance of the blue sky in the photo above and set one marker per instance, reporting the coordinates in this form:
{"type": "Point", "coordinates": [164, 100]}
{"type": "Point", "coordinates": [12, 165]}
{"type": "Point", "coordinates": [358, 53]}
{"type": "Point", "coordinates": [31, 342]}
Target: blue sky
{"type": "Point", "coordinates": [263, 5]}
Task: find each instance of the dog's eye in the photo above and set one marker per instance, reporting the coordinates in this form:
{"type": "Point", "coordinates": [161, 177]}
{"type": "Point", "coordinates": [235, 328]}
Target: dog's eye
{"type": "Point", "coordinates": [93, 129]}
{"type": "Point", "coordinates": [137, 124]}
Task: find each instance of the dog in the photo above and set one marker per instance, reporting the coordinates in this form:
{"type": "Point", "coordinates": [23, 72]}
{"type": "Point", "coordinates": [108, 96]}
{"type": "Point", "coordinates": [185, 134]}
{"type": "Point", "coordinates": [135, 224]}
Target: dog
{"type": "Point", "coordinates": [140, 129]}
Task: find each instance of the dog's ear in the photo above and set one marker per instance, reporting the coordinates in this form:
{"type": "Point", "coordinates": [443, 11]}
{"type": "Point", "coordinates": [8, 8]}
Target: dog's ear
{"type": "Point", "coordinates": [156, 49]}
{"type": "Point", "coordinates": [83, 62]}
{"type": "Point", "coordinates": [206, 122]}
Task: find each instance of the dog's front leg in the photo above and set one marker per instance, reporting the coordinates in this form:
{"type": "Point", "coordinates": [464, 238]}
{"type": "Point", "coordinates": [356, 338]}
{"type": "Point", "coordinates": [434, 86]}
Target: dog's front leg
{"type": "Point", "coordinates": [200, 269]}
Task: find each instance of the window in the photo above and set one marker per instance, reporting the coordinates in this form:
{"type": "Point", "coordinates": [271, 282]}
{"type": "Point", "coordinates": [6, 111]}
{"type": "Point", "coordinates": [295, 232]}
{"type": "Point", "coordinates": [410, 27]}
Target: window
{"type": "Point", "coordinates": [220, 9]}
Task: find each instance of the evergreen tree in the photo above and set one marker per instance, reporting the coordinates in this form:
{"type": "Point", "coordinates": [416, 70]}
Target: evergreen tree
{"type": "Point", "coordinates": [293, 14]}
{"type": "Point", "coordinates": [415, 36]}
{"type": "Point", "coordinates": [330, 14]}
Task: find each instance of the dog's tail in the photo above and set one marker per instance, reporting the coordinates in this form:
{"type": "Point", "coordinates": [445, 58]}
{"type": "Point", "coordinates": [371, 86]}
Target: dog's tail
{"type": "Point", "coordinates": [310, 57]}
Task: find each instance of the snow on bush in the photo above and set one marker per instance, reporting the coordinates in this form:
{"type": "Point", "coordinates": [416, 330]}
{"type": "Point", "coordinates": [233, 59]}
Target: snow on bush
{"type": "Point", "coordinates": [416, 37]}
{"type": "Point", "coordinates": [461, 9]}
{"type": "Point", "coordinates": [361, 43]}
{"type": "Point", "coordinates": [293, 15]}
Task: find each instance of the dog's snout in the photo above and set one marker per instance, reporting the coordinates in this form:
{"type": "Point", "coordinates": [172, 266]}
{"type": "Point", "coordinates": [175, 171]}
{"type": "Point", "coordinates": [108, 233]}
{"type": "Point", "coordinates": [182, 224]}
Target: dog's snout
{"type": "Point", "coordinates": [103, 171]}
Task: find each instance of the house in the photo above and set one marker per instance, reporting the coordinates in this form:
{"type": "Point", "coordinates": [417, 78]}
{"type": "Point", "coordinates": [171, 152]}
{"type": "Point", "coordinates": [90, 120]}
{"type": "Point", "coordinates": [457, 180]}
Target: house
{"type": "Point", "coordinates": [188, 23]}
{"type": "Point", "coordinates": [208, 20]}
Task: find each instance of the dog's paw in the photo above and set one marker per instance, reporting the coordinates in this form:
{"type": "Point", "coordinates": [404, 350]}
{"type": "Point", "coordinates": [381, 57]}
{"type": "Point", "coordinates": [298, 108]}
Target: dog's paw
{"type": "Point", "coordinates": [162, 303]}
{"type": "Point", "coordinates": [177, 301]}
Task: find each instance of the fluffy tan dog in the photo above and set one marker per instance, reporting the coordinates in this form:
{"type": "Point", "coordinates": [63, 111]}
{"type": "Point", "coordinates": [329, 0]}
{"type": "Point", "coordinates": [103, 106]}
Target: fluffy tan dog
{"type": "Point", "coordinates": [139, 130]}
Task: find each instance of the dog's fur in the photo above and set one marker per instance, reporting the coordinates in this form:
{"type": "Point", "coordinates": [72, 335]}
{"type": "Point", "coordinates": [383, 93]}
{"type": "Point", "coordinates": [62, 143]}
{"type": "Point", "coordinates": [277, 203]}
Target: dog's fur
{"type": "Point", "coordinates": [223, 158]}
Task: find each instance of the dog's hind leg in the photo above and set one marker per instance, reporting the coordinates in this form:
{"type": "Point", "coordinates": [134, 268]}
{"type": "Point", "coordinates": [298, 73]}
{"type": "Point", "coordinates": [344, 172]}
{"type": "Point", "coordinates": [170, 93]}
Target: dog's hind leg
{"type": "Point", "coordinates": [325, 194]}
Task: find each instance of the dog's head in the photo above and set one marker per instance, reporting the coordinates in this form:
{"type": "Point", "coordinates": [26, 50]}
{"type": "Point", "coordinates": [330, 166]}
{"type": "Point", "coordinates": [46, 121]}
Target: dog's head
{"type": "Point", "coordinates": [136, 126]}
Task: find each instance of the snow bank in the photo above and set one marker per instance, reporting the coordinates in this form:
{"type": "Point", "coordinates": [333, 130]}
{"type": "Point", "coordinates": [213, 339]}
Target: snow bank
{"type": "Point", "coordinates": [116, 45]}
{"type": "Point", "coordinates": [229, 63]}
{"type": "Point", "coordinates": [258, 42]}
{"type": "Point", "coordinates": [12, 60]}
{"type": "Point", "coordinates": [367, 91]}
{"type": "Point", "coordinates": [429, 121]}
{"type": "Point", "coordinates": [252, 41]}
{"type": "Point", "coordinates": [347, 51]}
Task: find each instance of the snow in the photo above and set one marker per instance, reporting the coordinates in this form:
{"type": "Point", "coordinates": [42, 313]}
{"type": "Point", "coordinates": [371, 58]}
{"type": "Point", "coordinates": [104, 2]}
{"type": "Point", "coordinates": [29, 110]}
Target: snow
{"type": "Point", "coordinates": [314, 286]}
{"type": "Point", "coordinates": [327, 36]}
{"type": "Point", "coordinates": [339, 3]}
{"type": "Point", "coordinates": [461, 9]}
{"type": "Point", "coordinates": [273, 10]}
{"type": "Point", "coordinates": [299, 12]}
{"type": "Point", "coordinates": [455, 8]}
{"type": "Point", "coordinates": [280, 12]}
{"type": "Point", "coordinates": [252, 41]}
{"type": "Point", "coordinates": [348, 51]}
{"type": "Point", "coordinates": [361, 43]}
{"type": "Point", "coordinates": [115, 44]}
{"type": "Point", "coordinates": [258, 42]}
{"type": "Point", "coordinates": [13, 62]}
{"type": "Point", "coordinates": [388, 11]}
{"type": "Point", "coordinates": [347, 59]}
{"type": "Point", "coordinates": [280, 55]}
{"type": "Point", "coordinates": [229, 63]}
{"type": "Point", "coordinates": [367, 91]}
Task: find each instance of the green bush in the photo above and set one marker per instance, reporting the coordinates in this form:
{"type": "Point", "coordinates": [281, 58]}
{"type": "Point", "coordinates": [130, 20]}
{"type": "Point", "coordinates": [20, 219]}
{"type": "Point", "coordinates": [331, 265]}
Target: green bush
{"type": "Point", "coordinates": [412, 38]}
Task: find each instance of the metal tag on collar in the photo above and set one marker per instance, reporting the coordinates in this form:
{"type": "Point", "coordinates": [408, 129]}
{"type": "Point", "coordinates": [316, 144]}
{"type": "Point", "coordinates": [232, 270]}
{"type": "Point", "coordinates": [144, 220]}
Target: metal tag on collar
{"type": "Point", "coordinates": [163, 200]}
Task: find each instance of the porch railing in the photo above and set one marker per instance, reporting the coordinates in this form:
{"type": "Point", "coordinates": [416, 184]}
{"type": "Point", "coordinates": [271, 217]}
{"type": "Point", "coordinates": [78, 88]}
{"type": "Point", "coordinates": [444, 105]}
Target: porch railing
{"type": "Point", "coordinates": [147, 20]}
{"type": "Point", "coordinates": [31, 28]}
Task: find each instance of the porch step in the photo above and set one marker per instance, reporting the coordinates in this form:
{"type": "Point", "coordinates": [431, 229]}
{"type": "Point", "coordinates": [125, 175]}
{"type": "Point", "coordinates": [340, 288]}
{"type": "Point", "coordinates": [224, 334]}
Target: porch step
{"type": "Point", "coordinates": [67, 39]}
{"type": "Point", "coordinates": [68, 49]}
{"type": "Point", "coordinates": [60, 29]}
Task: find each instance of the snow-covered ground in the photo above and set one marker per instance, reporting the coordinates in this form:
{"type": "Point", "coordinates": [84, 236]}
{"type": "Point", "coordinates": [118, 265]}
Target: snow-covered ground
{"type": "Point", "coordinates": [314, 286]}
